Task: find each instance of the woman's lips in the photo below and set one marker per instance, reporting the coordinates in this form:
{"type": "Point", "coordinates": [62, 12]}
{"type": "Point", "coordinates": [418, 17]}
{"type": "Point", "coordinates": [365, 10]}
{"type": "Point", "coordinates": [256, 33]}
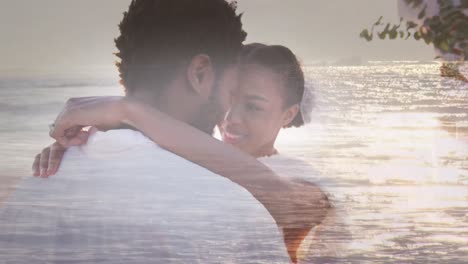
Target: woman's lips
{"type": "Point", "coordinates": [231, 138]}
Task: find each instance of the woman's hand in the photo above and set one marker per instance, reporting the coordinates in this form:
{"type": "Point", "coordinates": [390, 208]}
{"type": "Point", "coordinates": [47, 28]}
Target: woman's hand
{"type": "Point", "coordinates": [102, 112]}
{"type": "Point", "coordinates": [48, 161]}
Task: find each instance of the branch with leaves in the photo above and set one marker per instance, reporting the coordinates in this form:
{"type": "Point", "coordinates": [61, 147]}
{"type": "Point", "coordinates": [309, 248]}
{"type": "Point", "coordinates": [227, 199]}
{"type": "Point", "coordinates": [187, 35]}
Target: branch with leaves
{"type": "Point", "coordinates": [447, 31]}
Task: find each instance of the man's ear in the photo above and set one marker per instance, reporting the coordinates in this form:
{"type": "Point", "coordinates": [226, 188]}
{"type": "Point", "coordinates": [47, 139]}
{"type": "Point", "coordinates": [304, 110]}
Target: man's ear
{"type": "Point", "coordinates": [200, 75]}
{"type": "Point", "coordinates": [290, 114]}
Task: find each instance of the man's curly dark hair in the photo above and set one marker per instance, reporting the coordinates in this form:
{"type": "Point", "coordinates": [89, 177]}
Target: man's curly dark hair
{"type": "Point", "coordinates": [158, 37]}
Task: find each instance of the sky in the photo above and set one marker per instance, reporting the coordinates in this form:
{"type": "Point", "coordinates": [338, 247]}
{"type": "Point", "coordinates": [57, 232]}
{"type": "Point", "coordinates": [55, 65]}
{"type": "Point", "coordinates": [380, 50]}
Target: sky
{"type": "Point", "coordinates": [78, 35]}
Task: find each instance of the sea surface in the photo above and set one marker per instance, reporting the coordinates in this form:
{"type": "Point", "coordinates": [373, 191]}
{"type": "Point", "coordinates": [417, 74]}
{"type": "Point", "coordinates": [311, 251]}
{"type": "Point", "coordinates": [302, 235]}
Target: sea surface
{"type": "Point", "coordinates": [390, 137]}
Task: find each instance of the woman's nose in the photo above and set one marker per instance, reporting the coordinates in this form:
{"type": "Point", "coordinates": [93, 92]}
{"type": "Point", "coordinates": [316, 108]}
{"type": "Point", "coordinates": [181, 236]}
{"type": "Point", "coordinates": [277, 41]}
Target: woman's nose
{"type": "Point", "coordinates": [234, 115]}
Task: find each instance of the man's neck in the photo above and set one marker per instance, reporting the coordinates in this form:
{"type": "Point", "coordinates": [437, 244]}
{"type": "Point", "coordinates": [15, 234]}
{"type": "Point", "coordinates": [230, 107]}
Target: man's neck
{"type": "Point", "coordinates": [167, 101]}
{"type": "Point", "coordinates": [159, 102]}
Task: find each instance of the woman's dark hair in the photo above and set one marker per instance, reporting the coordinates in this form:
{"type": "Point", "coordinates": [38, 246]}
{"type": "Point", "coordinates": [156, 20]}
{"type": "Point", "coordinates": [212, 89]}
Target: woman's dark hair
{"type": "Point", "coordinates": [282, 61]}
{"type": "Point", "coordinates": [158, 37]}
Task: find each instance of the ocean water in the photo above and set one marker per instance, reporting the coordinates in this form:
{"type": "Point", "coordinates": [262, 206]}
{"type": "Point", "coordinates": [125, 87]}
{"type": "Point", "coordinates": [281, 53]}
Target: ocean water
{"type": "Point", "coordinates": [391, 138]}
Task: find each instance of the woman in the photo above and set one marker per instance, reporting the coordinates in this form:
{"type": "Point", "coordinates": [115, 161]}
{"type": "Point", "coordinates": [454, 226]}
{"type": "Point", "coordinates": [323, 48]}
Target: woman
{"type": "Point", "coordinates": [269, 98]}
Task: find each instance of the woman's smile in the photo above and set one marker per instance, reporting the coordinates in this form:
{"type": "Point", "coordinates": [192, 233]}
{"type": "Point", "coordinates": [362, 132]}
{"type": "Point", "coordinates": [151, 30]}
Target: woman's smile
{"type": "Point", "coordinates": [232, 136]}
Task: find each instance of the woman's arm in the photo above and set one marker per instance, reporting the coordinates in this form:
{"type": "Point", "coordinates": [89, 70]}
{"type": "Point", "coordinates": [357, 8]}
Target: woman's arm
{"type": "Point", "coordinates": [296, 207]}
{"type": "Point", "coordinates": [220, 158]}
{"type": "Point", "coordinates": [201, 148]}
{"type": "Point", "coordinates": [280, 196]}
{"type": "Point", "coordinates": [182, 139]}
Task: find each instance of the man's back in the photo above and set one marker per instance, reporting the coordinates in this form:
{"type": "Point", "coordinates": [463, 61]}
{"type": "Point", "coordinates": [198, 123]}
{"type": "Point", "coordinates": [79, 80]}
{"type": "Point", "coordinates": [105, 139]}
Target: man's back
{"type": "Point", "coordinates": [123, 199]}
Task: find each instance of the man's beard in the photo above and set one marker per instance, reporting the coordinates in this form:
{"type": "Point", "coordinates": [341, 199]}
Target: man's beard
{"type": "Point", "coordinates": [209, 115]}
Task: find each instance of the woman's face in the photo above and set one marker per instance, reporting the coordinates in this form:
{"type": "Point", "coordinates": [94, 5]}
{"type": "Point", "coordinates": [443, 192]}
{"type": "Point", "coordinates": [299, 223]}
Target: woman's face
{"type": "Point", "coordinates": [257, 112]}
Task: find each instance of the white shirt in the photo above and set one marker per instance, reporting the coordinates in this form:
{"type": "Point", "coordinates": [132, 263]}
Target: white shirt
{"type": "Point", "coordinates": [123, 199]}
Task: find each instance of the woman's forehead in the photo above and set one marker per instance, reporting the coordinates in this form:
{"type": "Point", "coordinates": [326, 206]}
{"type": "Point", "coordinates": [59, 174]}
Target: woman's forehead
{"type": "Point", "coordinates": [259, 79]}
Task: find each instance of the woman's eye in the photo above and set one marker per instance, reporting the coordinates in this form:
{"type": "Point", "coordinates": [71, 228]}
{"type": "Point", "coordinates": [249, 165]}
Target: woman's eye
{"type": "Point", "coordinates": [252, 107]}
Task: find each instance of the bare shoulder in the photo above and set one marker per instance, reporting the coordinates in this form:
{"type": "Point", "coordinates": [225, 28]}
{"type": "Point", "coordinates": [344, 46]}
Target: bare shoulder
{"type": "Point", "coordinates": [315, 193]}
{"type": "Point", "coordinates": [301, 173]}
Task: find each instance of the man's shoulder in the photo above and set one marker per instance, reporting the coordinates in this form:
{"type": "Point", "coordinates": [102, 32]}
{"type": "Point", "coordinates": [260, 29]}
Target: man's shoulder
{"type": "Point", "coordinates": [117, 141]}
{"type": "Point", "coordinates": [127, 161]}
{"type": "Point", "coordinates": [114, 145]}
{"type": "Point", "coordinates": [120, 153]}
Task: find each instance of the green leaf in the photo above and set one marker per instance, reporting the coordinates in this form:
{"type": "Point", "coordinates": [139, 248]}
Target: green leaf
{"type": "Point", "coordinates": [417, 35]}
{"type": "Point", "coordinates": [402, 33]}
{"type": "Point", "coordinates": [427, 40]}
{"type": "Point", "coordinates": [378, 21]}
{"type": "Point", "coordinates": [395, 27]}
{"type": "Point", "coordinates": [410, 25]}
{"type": "Point", "coordinates": [408, 34]}
{"type": "Point", "coordinates": [387, 27]}
{"type": "Point", "coordinates": [444, 46]}
{"type": "Point", "coordinates": [422, 13]}
{"type": "Point", "coordinates": [382, 35]}
{"type": "Point", "coordinates": [365, 34]}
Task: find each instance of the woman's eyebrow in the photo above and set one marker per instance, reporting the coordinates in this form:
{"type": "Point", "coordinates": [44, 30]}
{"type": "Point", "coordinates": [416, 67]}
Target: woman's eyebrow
{"type": "Point", "coordinates": [256, 97]}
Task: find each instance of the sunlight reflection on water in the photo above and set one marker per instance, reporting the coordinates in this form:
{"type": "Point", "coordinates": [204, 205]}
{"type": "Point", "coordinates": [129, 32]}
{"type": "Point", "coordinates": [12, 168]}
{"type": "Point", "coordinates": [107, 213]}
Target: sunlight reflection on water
{"type": "Point", "coordinates": [392, 137]}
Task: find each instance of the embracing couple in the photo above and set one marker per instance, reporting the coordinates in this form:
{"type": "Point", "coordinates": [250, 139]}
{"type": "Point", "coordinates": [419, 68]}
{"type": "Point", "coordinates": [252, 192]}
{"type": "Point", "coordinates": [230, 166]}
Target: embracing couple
{"type": "Point", "coordinates": [148, 183]}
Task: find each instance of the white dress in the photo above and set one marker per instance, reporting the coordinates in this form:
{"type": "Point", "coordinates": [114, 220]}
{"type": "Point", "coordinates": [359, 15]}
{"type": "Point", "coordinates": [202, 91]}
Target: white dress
{"type": "Point", "coordinates": [325, 242]}
{"type": "Point", "coordinates": [123, 199]}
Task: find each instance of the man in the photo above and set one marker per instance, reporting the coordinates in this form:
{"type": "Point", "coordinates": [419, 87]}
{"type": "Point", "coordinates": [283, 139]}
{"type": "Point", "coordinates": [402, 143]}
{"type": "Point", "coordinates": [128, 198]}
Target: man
{"type": "Point", "coordinates": [123, 199]}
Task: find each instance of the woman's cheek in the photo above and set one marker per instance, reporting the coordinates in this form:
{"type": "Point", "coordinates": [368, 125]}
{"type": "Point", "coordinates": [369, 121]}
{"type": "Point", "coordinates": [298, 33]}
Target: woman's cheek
{"type": "Point", "coordinates": [257, 128]}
